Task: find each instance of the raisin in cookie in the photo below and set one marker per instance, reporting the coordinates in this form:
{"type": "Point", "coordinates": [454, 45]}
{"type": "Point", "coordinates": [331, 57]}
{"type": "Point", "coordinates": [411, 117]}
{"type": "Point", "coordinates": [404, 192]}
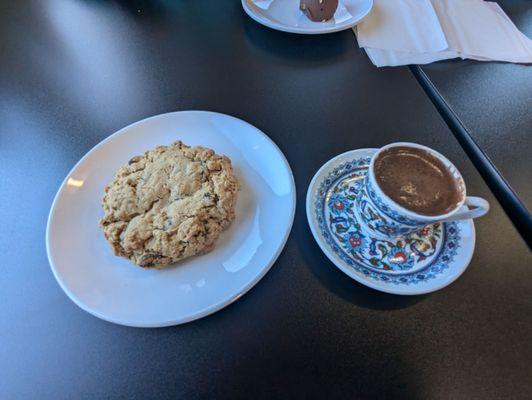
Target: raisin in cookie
{"type": "Point", "coordinates": [169, 204]}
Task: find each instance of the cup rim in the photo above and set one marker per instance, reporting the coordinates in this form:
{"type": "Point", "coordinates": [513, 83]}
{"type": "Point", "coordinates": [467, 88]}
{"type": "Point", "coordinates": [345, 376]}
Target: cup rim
{"type": "Point", "coordinates": [404, 210]}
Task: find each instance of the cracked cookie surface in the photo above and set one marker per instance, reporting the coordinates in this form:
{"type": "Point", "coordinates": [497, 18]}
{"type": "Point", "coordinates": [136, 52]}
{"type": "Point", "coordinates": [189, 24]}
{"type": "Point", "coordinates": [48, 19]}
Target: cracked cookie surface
{"type": "Point", "coordinates": [169, 204]}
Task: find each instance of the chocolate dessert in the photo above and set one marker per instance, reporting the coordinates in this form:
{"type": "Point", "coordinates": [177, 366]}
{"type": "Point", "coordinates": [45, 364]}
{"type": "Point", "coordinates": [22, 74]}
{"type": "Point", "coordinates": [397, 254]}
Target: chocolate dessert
{"type": "Point", "coordinates": [318, 10]}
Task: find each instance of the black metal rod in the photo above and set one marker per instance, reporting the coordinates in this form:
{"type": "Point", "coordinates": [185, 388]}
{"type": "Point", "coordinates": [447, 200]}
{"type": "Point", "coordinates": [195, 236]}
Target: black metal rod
{"type": "Point", "coordinates": [503, 192]}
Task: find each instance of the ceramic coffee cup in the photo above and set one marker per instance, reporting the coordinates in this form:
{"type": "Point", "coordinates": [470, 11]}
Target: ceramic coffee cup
{"type": "Point", "coordinates": [384, 218]}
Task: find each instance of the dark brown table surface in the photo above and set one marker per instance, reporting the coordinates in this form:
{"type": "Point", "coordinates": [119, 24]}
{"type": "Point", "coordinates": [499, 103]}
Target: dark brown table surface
{"type": "Point", "coordinates": [494, 100]}
{"type": "Point", "coordinates": [74, 71]}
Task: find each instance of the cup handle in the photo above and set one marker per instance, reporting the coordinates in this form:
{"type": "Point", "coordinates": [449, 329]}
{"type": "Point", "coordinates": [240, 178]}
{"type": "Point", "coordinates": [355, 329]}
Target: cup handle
{"type": "Point", "coordinates": [481, 207]}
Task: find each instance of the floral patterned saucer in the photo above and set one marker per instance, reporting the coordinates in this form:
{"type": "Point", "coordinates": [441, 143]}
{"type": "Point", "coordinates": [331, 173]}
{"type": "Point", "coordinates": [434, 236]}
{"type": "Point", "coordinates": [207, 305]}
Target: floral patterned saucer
{"type": "Point", "coordinates": [420, 263]}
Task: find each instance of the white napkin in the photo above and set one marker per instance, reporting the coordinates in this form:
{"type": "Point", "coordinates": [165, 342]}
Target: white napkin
{"type": "Point", "coordinates": [527, 43]}
{"type": "Point", "coordinates": [402, 25]}
{"type": "Point", "coordinates": [475, 28]}
{"type": "Point", "coordinates": [342, 13]}
{"type": "Point", "coordinates": [391, 58]}
{"type": "Point", "coordinates": [264, 4]}
{"type": "Point", "coordinates": [400, 32]}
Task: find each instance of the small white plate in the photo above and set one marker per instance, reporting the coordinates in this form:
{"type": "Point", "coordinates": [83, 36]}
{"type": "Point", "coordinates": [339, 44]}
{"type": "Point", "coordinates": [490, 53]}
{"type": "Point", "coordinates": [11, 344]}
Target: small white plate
{"type": "Point", "coordinates": [285, 15]}
{"type": "Point", "coordinates": [424, 263]}
{"type": "Point", "coordinates": [113, 288]}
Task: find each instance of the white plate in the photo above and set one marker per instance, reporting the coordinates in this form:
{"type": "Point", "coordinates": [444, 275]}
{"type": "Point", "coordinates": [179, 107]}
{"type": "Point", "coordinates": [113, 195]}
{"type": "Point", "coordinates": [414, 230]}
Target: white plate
{"type": "Point", "coordinates": [114, 289]}
{"type": "Point", "coordinates": [373, 262]}
{"type": "Point", "coordinates": [285, 15]}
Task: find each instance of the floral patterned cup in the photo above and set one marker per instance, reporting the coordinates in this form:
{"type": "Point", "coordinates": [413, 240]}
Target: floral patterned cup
{"type": "Point", "coordinates": [385, 219]}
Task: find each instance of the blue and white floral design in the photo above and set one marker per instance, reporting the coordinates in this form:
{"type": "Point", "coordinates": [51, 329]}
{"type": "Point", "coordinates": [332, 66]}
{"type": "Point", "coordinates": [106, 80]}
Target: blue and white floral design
{"type": "Point", "coordinates": [416, 258]}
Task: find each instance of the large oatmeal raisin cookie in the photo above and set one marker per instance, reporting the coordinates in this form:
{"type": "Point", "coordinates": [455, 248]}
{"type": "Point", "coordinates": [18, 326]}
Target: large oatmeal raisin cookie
{"type": "Point", "coordinates": [169, 204]}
